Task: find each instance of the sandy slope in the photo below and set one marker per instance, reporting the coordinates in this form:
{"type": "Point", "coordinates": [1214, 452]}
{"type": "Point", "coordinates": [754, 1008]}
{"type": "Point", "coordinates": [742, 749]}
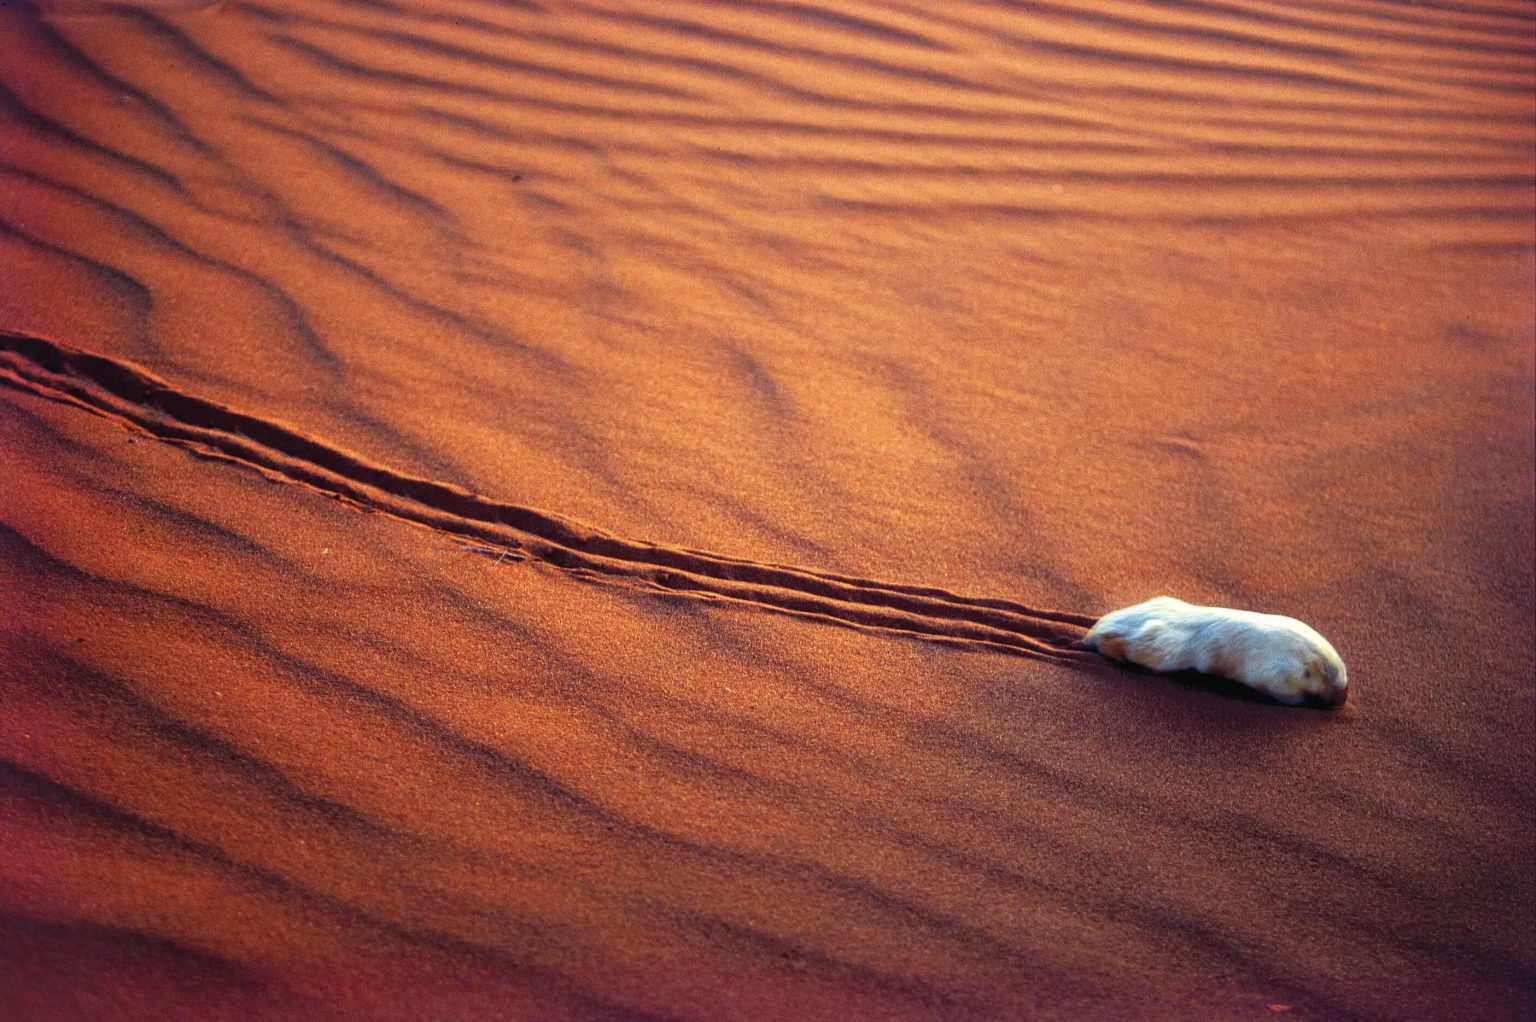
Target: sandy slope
{"type": "Point", "coordinates": [825, 367]}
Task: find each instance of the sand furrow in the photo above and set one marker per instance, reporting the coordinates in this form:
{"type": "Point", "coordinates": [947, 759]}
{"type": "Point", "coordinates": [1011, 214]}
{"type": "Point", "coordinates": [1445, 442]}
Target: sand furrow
{"type": "Point", "coordinates": [123, 391]}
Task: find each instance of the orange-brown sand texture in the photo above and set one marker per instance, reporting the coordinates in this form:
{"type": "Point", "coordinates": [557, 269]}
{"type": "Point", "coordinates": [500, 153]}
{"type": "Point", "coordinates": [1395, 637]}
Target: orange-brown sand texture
{"type": "Point", "coordinates": [580, 509]}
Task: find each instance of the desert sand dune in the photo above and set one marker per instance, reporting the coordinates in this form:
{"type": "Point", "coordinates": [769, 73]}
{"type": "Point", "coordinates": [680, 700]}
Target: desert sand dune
{"type": "Point", "coordinates": [583, 509]}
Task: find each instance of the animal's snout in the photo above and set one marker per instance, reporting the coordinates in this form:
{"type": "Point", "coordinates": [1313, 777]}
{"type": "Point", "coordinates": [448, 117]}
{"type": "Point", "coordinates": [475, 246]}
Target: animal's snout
{"type": "Point", "coordinates": [1334, 695]}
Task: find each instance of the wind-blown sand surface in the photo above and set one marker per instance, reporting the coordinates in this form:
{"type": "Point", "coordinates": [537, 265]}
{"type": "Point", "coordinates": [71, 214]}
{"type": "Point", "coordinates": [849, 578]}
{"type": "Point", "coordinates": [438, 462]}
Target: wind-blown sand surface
{"type": "Point", "coordinates": [582, 509]}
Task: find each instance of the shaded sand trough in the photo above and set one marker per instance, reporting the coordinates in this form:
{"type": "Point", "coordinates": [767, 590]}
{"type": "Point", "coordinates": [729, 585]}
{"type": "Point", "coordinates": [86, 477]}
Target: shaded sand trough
{"type": "Point", "coordinates": [837, 309]}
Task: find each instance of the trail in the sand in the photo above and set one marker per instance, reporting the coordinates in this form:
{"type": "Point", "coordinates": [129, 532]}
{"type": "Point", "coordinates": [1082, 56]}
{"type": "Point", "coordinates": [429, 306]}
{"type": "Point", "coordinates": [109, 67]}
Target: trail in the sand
{"type": "Point", "coordinates": [120, 390]}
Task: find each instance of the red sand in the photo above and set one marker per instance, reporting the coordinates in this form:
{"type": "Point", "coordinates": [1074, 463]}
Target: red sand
{"type": "Point", "coordinates": [985, 321]}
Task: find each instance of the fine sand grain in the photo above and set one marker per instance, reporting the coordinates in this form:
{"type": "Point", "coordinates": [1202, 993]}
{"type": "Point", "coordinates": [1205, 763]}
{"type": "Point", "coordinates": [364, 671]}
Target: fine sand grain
{"type": "Point", "coordinates": [585, 510]}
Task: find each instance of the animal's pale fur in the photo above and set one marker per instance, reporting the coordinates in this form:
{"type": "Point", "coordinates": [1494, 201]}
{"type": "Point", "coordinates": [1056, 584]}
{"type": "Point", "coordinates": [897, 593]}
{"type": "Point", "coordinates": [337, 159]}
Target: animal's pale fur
{"type": "Point", "coordinates": [1276, 655]}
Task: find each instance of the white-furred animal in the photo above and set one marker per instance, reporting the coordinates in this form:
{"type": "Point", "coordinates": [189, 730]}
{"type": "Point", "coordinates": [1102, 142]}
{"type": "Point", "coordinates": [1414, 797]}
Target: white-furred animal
{"type": "Point", "coordinates": [1278, 656]}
